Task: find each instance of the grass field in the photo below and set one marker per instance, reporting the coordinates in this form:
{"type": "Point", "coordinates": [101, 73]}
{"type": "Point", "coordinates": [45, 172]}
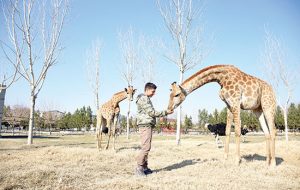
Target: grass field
{"type": "Point", "coordinates": [73, 162]}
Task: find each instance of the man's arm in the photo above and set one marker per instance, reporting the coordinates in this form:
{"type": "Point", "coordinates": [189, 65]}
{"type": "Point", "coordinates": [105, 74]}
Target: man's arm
{"type": "Point", "coordinates": [148, 108]}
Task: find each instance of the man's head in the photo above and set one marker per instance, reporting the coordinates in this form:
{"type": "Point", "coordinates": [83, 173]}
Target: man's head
{"type": "Point", "coordinates": [150, 89]}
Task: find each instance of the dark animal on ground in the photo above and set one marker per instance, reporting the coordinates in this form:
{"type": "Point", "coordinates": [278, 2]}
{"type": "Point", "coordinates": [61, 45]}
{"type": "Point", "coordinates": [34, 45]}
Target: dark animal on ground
{"type": "Point", "coordinates": [219, 129]}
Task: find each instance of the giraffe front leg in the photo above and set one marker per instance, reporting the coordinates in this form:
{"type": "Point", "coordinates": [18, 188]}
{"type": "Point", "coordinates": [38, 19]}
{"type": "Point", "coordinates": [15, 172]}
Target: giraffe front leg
{"type": "Point", "coordinates": [114, 136]}
{"type": "Point", "coordinates": [228, 129]}
{"type": "Point", "coordinates": [114, 131]}
{"type": "Point", "coordinates": [237, 124]}
{"type": "Point", "coordinates": [273, 159]}
{"type": "Point", "coordinates": [99, 130]}
{"type": "Point", "coordinates": [100, 139]}
{"type": "Point", "coordinates": [109, 133]}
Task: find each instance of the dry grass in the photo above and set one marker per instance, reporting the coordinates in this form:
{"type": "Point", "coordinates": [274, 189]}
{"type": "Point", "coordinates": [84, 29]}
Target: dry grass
{"type": "Point", "coordinates": [73, 162]}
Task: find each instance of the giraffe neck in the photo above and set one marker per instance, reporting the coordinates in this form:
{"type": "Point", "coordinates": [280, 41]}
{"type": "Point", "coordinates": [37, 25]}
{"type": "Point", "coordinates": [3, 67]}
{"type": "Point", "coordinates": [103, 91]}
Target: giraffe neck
{"type": "Point", "coordinates": [204, 76]}
{"type": "Point", "coordinates": [118, 97]}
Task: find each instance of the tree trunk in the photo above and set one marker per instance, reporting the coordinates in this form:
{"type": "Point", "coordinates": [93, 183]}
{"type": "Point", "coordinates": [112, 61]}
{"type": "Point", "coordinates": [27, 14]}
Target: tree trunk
{"type": "Point", "coordinates": [128, 113]}
{"type": "Point", "coordinates": [179, 114]}
{"type": "Point", "coordinates": [2, 97]}
{"type": "Point", "coordinates": [31, 119]}
{"type": "Point", "coordinates": [97, 100]}
{"type": "Point", "coordinates": [50, 129]}
{"type": "Point", "coordinates": [285, 125]}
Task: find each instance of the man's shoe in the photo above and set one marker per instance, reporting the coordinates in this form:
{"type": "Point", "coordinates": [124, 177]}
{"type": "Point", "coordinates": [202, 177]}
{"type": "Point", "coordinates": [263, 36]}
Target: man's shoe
{"type": "Point", "coordinates": [148, 171]}
{"type": "Point", "coordinates": [140, 172]}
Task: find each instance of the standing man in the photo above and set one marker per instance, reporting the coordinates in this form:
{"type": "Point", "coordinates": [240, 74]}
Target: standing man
{"type": "Point", "coordinates": [146, 120]}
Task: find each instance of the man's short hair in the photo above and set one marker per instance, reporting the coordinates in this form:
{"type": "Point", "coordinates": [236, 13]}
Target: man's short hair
{"type": "Point", "coordinates": [150, 85]}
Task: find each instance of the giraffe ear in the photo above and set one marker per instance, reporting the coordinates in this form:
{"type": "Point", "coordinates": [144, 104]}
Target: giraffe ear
{"type": "Point", "coordinates": [125, 89]}
{"type": "Point", "coordinates": [134, 90]}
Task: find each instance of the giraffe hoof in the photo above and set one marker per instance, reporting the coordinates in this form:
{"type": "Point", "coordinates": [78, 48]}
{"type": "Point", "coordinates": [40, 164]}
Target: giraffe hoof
{"type": "Point", "coordinates": [273, 163]}
{"type": "Point", "coordinates": [225, 156]}
{"type": "Point", "coordinates": [237, 161]}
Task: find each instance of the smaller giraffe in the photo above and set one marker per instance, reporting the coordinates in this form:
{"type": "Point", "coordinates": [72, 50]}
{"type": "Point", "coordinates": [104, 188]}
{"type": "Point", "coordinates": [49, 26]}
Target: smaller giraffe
{"type": "Point", "coordinates": [108, 115]}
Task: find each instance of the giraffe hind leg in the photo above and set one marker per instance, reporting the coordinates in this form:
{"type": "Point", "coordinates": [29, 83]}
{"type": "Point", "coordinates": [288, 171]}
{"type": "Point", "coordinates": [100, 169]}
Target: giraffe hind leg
{"type": "Point", "coordinates": [260, 115]}
{"type": "Point", "coordinates": [268, 104]}
{"type": "Point", "coordinates": [269, 117]}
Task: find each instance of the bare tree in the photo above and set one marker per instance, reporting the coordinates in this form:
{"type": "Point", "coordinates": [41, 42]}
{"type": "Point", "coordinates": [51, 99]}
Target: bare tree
{"type": "Point", "coordinates": [49, 114]}
{"type": "Point", "coordinates": [93, 69]}
{"type": "Point", "coordinates": [130, 54]}
{"type": "Point", "coordinates": [6, 82]}
{"type": "Point", "coordinates": [147, 47]}
{"type": "Point", "coordinates": [17, 115]}
{"type": "Point", "coordinates": [279, 77]}
{"type": "Point", "coordinates": [188, 47]}
{"type": "Point", "coordinates": [34, 32]}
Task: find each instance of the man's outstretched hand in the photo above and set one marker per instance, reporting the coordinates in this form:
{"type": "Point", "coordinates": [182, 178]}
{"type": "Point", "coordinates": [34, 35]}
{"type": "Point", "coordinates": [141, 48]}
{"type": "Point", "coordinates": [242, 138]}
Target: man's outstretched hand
{"type": "Point", "coordinates": [170, 111]}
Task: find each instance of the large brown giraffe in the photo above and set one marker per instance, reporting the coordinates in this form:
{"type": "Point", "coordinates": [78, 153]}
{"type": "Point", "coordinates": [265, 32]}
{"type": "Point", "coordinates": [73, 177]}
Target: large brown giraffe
{"type": "Point", "coordinates": [239, 91]}
{"type": "Point", "coordinates": [108, 115]}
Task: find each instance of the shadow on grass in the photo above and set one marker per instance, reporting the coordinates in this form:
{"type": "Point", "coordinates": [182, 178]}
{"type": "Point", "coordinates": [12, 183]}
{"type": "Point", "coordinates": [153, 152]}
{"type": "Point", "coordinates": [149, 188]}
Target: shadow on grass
{"type": "Point", "coordinates": [35, 146]}
{"type": "Point", "coordinates": [182, 164]}
{"type": "Point", "coordinates": [252, 157]}
{"type": "Point", "coordinates": [43, 144]}
{"type": "Point", "coordinates": [25, 137]}
{"type": "Point", "coordinates": [129, 148]}
{"type": "Point", "coordinates": [246, 141]}
{"type": "Point", "coordinates": [201, 144]}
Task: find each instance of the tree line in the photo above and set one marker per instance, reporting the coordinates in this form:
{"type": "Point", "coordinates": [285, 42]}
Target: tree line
{"type": "Point", "coordinates": [84, 118]}
{"type": "Point", "coordinates": [249, 119]}
{"type": "Point", "coordinates": [55, 120]}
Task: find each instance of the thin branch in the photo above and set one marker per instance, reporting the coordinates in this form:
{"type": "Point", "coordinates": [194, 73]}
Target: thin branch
{"type": "Point", "coordinates": [179, 17]}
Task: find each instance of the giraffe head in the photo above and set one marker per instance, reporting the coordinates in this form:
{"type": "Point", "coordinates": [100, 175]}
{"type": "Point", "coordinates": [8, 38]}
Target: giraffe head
{"type": "Point", "coordinates": [177, 96]}
{"type": "Point", "coordinates": [130, 92]}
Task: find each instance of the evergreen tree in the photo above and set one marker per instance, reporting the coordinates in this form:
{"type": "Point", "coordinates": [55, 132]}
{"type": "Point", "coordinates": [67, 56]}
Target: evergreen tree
{"type": "Point", "coordinates": [222, 116]}
{"type": "Point", "coordinates": [279, 121]}
{"type": "Point", "coordinates": [216, 116]}
{"type": "Point", "coordinates": [187, 124]}
{"type": "Point", "coordinates": [123, 122]}
{"type": "Point", "coordinates": [298, 118]}
{"type": "Point", "coordinates": [292, 116]}
{"type": "Point", "coordinates": [202, 117]}
{"type": "Point", "coordinates": [211, 119]}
